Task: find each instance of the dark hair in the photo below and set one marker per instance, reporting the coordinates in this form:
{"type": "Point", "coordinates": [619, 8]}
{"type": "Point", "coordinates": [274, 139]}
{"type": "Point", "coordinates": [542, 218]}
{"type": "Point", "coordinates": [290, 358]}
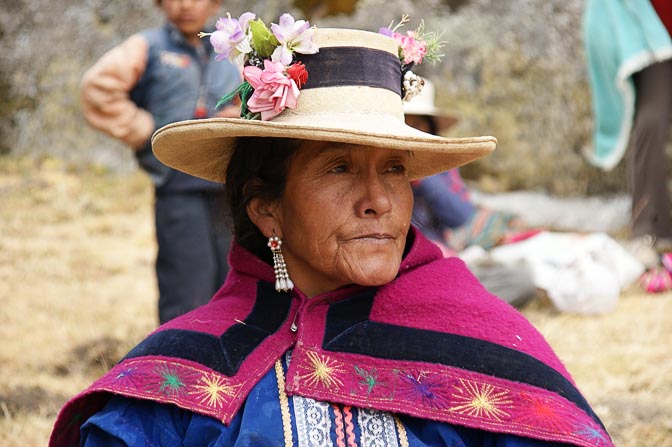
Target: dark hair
{"type": "Point", "coordinates": [257, 169]}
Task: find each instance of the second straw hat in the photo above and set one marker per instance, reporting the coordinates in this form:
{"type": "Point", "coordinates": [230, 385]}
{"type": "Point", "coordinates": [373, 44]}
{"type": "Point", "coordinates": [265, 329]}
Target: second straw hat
{"type": "Point", "coordinates": [424, 104]}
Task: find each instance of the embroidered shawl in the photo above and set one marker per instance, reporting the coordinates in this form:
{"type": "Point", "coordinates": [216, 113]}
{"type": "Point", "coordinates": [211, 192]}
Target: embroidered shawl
{"type": "Point", "coordinates": [431, 344]}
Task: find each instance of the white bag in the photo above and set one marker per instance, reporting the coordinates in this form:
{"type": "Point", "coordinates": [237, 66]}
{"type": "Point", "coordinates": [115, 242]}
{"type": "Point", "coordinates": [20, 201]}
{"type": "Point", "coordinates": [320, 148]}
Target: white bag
{"type": "Point", "coordinates": [580, 273]}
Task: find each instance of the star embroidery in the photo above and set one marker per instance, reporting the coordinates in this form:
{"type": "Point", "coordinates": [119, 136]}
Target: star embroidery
{"type": "Point", "coordinates": [213, 390]}
{"type": "Point", "coordinates": [481, 400]}
{"type": "Point", "coordinates": [591, 433]}
{"type": "Point", "coordinates": [428, 390]}
{"type": "Point", "coordinates": [540, 412]}
{"type": "Point", "coordinates": [171, 382]}
{"type": "Point", "coordinates": [324, 371]}
{"type": "Point", "coordinates": [368, 378]}
{"type": "Point", "coordinates": [127, 377]}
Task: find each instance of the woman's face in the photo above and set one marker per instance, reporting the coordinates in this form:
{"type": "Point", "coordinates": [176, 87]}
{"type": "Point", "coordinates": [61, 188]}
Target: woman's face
{"type": "Point", "coordinates": [344, 215]}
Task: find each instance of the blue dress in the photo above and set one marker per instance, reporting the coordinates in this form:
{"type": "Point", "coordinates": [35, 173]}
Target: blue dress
{"type": "Point", "coordinates": [130, 422]}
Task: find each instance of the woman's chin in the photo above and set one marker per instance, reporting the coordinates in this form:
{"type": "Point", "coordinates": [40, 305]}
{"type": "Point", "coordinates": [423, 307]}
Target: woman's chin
{"type": "Point", "coordinates": [375, 275]}
{"type": "Point", "coordinates": [374, 264]}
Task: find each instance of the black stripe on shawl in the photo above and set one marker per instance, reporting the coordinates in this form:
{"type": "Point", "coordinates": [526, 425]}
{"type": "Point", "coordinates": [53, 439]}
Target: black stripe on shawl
{"type": "Point", "coordinates": [348, 329]}
{"type": "Point", "coordinates": [227, 352]}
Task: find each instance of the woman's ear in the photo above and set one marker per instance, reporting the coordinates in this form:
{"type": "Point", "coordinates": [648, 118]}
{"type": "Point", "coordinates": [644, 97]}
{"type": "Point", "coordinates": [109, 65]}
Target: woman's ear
{"type": "Point", "coordinates": [264, 215]}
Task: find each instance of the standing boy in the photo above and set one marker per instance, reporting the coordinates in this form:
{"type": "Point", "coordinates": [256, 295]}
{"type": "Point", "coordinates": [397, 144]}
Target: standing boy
{"type": "Point", "coordinates": [154, 78]}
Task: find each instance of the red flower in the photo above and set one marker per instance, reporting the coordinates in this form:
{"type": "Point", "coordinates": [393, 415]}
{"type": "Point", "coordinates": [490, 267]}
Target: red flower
{"type": "Point", "coordinates": [298, 73]}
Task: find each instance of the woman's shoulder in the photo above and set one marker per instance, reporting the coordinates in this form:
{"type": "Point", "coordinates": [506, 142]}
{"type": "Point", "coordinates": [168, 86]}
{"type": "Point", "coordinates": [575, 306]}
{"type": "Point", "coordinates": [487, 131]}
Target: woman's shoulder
{"type": "Point", "coordinates": [443, 296]}
{"type": "Point", "coordinates": [205, 361]}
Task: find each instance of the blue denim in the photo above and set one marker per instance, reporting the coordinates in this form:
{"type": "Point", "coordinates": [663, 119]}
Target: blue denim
{"type": "Point", "coordinates": [193, 241]}
{"type": "Point", "coordinates": [176, 76]}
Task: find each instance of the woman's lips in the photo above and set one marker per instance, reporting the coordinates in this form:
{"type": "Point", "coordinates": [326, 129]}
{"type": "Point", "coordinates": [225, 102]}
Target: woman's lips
{"type": "Point", "coordinates": [371, 237]}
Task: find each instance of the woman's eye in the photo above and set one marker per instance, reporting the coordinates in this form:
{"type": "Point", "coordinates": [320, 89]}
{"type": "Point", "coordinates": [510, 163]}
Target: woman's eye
{"type": "Point", "coordinates": [339, 169]}
{"type": "Point", "coordinates": [398, 168]}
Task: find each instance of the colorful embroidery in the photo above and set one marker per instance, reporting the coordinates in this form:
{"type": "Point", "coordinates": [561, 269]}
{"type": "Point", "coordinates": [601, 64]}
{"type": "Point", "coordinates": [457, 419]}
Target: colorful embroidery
{"type": "Point", "coordinates": [324, 371]}
{"type": "Point", "coordinates": [540, 412]}
{"type": "Point", "coordinates": [426, 389]}
{"type": "Point", "coordinates": [200, 390]}
{"type": "Point", "coordinates": [481, 400]}
{"type": "Point", "coordinates": [443, 393]}
{"type": "Point", "coordinates": [213, 390]}
{"type": "Point", "coordinates": [171, 384]}
{"type": "Point", "coordinates": [128, 377]}
{"type": "Point", "coordinates": [369, 378]}
{"type": "Point", "coordinates": [593, 434]}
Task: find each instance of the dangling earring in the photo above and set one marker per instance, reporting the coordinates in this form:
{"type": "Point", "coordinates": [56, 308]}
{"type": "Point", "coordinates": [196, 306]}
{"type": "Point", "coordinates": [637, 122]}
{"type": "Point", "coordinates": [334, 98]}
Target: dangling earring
{"type": "Point", "coordinates": [282, 281]}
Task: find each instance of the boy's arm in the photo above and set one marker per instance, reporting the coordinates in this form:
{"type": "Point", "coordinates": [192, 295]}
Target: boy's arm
{"type": "Point", "coordinates": [105, 91]}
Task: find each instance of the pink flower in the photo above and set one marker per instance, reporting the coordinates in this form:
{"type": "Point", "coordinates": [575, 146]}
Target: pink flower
{"type": "Point", "coordinates": [273, 90]}
{"type": "Point", "coordinates": [412, 49]}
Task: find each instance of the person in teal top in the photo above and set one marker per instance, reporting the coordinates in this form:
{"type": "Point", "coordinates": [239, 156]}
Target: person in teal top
{"type": "Point", "coordinates": [629, 55]}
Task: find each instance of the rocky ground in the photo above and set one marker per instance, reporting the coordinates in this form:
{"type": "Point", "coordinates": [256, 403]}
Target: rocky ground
{"type": "Point", "coordinates": [77, 290]}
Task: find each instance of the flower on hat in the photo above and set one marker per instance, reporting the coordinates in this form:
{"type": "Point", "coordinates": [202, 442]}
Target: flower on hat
{"type": "Point", "coordinates": [298, 73]}
{"type": "Point", "coordinates": [414, 47]}
{"type": "Point", "coordinates": [273, 89]}
{"type": "Point", "coordinates": [271, 81]}
{"type": "Point", "coordinates": [231, 39]}
{"type": "Point", "coordinates": [293, 36]}
{"type": "Point", "coordinates": [272, 77]}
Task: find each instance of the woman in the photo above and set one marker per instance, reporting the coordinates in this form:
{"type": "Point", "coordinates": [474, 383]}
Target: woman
{"type": "Point", "coordinates": [339, 324]}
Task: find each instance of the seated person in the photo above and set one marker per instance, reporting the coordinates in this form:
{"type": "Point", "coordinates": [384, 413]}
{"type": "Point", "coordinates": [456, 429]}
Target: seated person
{"type": "Point", "coordinates": [443, 209]}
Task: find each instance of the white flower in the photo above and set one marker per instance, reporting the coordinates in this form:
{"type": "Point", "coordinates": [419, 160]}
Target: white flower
{"type": "Point", "coordinates": [231, 39]}
{"type": "Point", "coordinates": [294, 36]}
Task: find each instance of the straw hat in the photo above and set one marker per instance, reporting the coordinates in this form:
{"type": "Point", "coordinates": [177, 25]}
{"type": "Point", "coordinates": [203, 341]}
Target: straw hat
{"type": "Point", "coordinates": [423, 104]}
{"type": "Point", "coordinates": [353, 95]}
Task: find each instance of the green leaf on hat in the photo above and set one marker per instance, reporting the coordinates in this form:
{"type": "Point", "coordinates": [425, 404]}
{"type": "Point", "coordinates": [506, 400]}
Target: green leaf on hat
{"type": "Point", "coordinates": [263, 40]}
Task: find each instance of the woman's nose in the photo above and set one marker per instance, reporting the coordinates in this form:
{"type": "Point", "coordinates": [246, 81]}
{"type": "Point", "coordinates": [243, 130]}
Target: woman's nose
{"type": "Point", "coordinates": [375, 199]}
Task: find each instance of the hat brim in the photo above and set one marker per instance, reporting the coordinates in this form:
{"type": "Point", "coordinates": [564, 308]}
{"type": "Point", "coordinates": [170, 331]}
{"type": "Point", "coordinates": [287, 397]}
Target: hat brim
{"type": "Point", "coordinates": [203, 148]}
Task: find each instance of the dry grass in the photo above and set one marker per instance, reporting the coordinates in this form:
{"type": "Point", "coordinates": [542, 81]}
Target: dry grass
{"type": "Point", "coordinates": [77, 290]}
